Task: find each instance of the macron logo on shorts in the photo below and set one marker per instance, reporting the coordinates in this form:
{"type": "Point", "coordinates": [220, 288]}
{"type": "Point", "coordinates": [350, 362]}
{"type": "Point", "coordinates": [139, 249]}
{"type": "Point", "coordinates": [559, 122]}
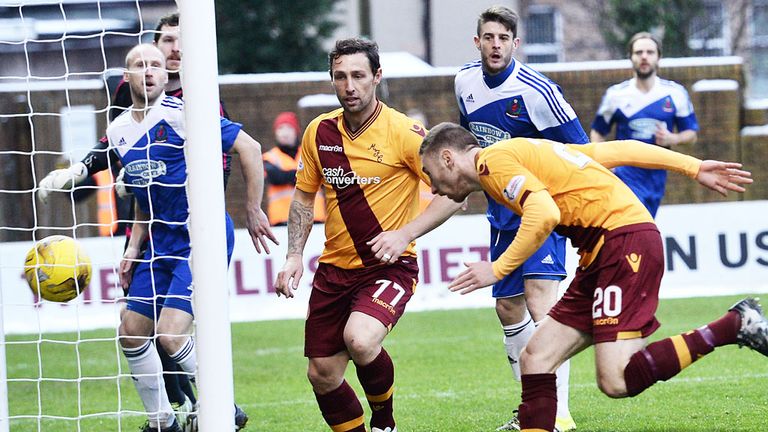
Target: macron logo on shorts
{"type": "Point", "coordinates": [548, 260]}
{"type": "Point", "coordinates": [634, 261]}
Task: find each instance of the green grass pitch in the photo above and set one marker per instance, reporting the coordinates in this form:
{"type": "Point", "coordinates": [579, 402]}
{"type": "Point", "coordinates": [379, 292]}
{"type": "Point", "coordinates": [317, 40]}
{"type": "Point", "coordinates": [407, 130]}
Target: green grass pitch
{"type": "Point", "coordinates": [451, 375]}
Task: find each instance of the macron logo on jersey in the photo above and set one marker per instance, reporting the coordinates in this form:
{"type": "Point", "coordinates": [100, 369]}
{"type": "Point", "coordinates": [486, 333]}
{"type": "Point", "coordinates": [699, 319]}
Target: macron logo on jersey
{"type": "Point", "coordinates": [330, 148]}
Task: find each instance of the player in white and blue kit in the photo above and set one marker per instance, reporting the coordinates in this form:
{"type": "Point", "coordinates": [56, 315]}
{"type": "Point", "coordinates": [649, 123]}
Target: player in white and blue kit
{"type": "Point", "coordinates": [646, 108]}
{"type": "Point", "coordinates": [149, 140]}
{"type": "Point", "coordinates": [500, 98]}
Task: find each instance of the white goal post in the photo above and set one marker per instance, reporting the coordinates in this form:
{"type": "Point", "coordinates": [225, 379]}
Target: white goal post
{"type": "Point", "coordinates": [206, 205]}
{"type": "Point", "coordinates": [45, 100]}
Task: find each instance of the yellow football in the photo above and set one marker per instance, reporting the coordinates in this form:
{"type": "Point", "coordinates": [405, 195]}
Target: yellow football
{"type": "Point", "coordinates": [57, 268]}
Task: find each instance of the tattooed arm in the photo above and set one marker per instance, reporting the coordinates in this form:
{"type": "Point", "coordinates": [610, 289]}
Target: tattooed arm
{"type": "Point", "coordinates": [300, 219]}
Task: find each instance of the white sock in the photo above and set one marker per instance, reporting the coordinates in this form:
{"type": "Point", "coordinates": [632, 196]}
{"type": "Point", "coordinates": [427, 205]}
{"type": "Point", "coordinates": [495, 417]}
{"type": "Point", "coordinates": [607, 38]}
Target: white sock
{"type": "Point", "coordinates": [186, 357]}
{"type": "Point", "coordinates": [515, 338]}
{"type": "Point", "coordinates": [563, 380]}
{"type": "Point", "coordinates": [147, 373]}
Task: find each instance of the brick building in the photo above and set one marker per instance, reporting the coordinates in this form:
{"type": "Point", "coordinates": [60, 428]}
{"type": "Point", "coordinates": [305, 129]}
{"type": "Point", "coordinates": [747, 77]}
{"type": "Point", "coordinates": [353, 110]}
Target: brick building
{"type": "Point", "coordinates": [715, 85]}
{"type": "Point", "coordinates": [31, 116]}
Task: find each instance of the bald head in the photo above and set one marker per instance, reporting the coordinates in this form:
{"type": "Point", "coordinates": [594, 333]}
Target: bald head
{"type": "Point", "coordinates": [145, 74]}
{"type": "Point", "coordinates": [143, 51]}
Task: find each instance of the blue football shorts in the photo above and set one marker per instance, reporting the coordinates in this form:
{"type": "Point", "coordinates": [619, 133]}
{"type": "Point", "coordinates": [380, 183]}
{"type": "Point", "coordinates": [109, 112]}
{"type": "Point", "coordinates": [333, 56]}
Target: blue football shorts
{"type": "Point", "coordinates": [546, 263]}
{"type": "Point", "coordinates": [166, 281]}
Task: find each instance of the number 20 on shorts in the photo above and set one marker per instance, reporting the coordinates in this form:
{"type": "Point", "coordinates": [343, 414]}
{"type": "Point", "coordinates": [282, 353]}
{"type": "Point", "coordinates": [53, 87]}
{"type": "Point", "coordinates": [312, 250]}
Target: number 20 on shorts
{"type": "Point", "coordinates": [607, 302]}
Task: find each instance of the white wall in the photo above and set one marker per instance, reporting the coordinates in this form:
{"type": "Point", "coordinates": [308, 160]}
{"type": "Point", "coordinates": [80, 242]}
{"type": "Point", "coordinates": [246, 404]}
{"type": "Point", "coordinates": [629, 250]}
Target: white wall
{"type": "Point", "coordinates": [397, 25]}
{"type": "Point", "coordinates": [735, 233]}
{"type": "Point", "coordinates": [454, 23]}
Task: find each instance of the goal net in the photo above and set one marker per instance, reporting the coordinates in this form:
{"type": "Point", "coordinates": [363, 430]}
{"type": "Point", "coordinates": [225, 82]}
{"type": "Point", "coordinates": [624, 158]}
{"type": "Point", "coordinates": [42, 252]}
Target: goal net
{"type": "Point", "coordinates": [61, 364]}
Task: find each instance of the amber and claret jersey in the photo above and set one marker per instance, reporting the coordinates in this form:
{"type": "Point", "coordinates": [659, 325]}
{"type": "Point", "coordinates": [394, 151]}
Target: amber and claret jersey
{"type": "Point", "coordinates": [591, 199]}
{"type": "Point", "coordinates": [370, 177]}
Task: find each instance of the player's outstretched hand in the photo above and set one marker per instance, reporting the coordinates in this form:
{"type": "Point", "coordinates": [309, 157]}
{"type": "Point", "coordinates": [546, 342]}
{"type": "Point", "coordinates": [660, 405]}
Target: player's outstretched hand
{"type": "Point", "coordinates": [126, 266]}
{"type": "Point", "coordinates": [289, 276]}
{"type": "Point", "coordinates": [258, 227]}
{"type": "Point", "coordinates": [477, 275]}
{"type": "Point", "coordinates": [723, 176]}
{"type": "Point", "coordinates": [389, 245]}
{"type": "Point", "coordinates": [61, 179]}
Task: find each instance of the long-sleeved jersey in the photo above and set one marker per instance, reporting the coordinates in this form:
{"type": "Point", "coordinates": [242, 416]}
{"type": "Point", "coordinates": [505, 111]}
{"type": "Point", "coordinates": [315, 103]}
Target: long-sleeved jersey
{"type": "Point", "coordinates": [589, 200]}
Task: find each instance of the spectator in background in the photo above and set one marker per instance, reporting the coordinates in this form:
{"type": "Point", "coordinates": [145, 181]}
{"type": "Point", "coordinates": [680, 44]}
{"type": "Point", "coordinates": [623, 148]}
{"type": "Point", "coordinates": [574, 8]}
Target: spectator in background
{"type": "Point", "coordinates": [646, 108]}
{"type": "Point", "coordinates": [280, 164]}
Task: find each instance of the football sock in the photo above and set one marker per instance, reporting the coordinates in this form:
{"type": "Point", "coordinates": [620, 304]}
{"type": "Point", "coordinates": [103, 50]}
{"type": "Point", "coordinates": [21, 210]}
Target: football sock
{"type": "Point", "coordinates": [146, 370]}
{"type": "Point", "coordinates": [186, 386]}
{"type": "Point", "coordinates": [515, 338]}
{"type": "Point", "coordinates": [563, 374]}
{"type": "Point", "coordinates": [341, 409]}
{"type": "Point", "coordinates": [378, 380]}
{"type": "Point", "coordinates": [664, 359]}
{"type": "Point", "coordinates": [538, 406]}
{"type": "Point", "coordinates": [171, 378]}
{"type": "Point", "coordinates": [185, 357]}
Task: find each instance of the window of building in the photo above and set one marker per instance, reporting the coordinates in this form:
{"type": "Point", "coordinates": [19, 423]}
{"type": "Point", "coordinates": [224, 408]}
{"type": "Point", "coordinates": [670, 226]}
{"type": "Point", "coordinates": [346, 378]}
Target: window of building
{"type": "Point", "coordinates": [758, 85]}
{"type": "Point", "coordinates": [709, 31]}
{"type": "Point", "coordinates": [543, 35]}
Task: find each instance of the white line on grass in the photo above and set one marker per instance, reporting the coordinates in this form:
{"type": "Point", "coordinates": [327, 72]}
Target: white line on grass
{"type": "Point", "coordinates": [452, 395]}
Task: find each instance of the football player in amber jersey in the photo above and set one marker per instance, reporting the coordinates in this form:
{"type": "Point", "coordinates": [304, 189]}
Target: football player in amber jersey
{"type": "Point", "coordinates": [365, 156]}
{"type": "Point", "coordinates": [613, 298]}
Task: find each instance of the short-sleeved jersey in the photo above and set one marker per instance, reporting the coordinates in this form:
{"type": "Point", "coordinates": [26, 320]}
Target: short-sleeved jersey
{"type": "Point", "coordinates": [517, 102]}
{"type": "Point", "coordinates": [636, 115]}
{"type": "Point", "coordinates": [152, 154]}
{"type": "Point", "coordinates": [370, 178]}
{"type": "Point", "coordinates": [590, 198]}
{"type": "Point", "coordinates": [99, 159]}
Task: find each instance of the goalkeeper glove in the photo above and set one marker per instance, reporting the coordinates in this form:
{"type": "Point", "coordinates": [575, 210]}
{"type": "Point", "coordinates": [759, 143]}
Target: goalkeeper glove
{"type": "Point", "coordinates": [122, 189]}
{"type": "Point", "coordinates": [61, 179]}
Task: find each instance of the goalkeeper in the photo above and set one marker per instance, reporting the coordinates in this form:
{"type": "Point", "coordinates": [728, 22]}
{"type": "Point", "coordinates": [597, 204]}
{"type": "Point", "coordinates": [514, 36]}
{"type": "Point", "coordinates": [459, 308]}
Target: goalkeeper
{"type": "Point", "coordinates": [149, 140]}
{"type": "Point", "coordinates": [166, 38]}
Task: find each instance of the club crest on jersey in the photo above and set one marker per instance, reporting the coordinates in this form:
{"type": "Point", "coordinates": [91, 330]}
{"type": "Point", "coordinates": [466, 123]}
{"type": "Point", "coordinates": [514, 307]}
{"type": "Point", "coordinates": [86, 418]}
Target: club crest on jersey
{"type": "Point", "coordinates": [514, 108]}
{"type": "Point", "coordinates": [483, 170]}
{"type": "Point", "coordinates": [377, 154]}
{"type": "Point", "coordinates": [487, 134]}
{"type": "Point", "coordinates": [667, 104]}
{"type": "Point", "coordinates": [143, 170]}
{"type": "Point", "coordinates": [513, 188]}
{"type": "Point", "coordinates": [161, 134]}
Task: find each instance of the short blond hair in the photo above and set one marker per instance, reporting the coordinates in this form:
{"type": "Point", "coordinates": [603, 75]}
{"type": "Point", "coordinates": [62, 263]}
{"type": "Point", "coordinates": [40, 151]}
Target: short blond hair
{"type": "Point", "coordinates": [643, 35]}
